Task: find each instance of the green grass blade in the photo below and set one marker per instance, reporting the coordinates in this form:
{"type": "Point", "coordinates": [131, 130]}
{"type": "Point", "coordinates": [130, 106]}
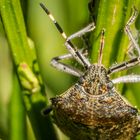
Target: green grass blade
{"type": "Point", "coordinates": [17, 115]}
{"type": "Point", "coordinates": [22, 53]}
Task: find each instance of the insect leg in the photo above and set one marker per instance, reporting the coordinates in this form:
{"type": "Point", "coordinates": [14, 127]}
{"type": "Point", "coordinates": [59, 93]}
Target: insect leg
{"type": "Point", "coordinates": [83, 31]}
{"type": "Point", "coordinates": [134, 61]}
{"type": "Point", "coordinates": [127, 79]}
{"type": "Point", "coordinates": [73, 49]}
{"type": "Point", "coordinates": [125, 65]}
{"type": "Point", "coordinates": [46, 111]}
{"type": "Point", "coordinates": [128, 31]}
{"type": "Point", "coordinates": [63, 67]}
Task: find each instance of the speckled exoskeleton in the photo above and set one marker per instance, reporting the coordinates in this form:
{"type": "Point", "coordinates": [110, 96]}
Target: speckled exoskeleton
{"type": "Point", "coordinates": [92, 109]}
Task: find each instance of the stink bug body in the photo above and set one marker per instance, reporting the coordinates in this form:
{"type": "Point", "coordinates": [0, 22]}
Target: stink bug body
{"type": "Point", "coordinates": [92, 109]}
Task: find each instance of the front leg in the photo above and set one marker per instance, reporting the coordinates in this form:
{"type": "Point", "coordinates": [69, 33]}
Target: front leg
{"type": "Point", "coordinates": [73, 49]}
{"type": "Point", "coordinates": [63, 67]}
{"type": "Point", "coordinates": [83, 31]}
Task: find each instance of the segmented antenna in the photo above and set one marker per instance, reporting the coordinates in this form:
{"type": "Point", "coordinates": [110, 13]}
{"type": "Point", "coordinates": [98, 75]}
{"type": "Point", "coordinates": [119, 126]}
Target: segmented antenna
{"type": "Point", "coordinates": [101, 48]}
{"type": "Point", "coordinates": [54, 21]}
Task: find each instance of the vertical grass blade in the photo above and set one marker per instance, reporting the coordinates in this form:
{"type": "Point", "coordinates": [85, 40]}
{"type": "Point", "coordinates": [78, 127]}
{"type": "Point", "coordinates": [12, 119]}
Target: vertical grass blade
{"type": "Point", "coordinates": [26, 66]}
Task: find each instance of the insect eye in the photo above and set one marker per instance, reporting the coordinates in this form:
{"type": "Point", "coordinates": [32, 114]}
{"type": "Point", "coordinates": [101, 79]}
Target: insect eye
{"type": "Point", "coordinates": [81, 80]}
{"type": "Point", "coordinates": [110, 85]}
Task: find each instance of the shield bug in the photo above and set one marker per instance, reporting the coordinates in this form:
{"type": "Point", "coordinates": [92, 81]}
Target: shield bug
{"type": "Point", "coordinates": [92, 109]}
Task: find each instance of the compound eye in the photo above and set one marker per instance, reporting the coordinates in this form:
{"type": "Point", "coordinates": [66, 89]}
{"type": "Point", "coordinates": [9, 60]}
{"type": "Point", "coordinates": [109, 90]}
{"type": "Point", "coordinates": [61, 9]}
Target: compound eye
{"type": "Point", "coordinates": [110, 85]}
{"type": "Point", "coordinates": [81, 80]}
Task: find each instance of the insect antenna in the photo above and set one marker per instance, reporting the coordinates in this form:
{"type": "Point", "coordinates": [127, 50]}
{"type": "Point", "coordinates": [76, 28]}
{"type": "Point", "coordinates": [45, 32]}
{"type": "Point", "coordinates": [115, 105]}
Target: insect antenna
{"type": "Point", "coordinates": [100, 55]}
{"type": "Point", "coordinates": [54, 21]}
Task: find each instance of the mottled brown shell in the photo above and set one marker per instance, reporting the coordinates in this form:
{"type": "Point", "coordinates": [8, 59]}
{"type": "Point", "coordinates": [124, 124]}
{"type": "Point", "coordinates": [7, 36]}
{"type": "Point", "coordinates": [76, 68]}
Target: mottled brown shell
{"type": "Point", "coordinates": [101, 114]}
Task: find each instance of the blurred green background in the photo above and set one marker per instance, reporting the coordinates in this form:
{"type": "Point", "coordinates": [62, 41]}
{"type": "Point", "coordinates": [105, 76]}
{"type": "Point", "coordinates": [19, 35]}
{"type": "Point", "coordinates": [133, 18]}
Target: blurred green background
{"type": "Point", "coordinates": [72, 16]}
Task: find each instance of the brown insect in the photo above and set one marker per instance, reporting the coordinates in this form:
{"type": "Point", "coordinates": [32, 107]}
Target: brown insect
{"type": "Point", "coordinates": [92, 109]}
